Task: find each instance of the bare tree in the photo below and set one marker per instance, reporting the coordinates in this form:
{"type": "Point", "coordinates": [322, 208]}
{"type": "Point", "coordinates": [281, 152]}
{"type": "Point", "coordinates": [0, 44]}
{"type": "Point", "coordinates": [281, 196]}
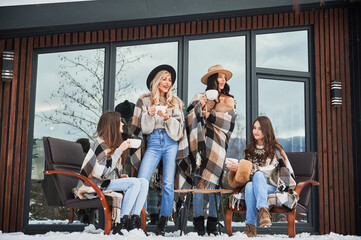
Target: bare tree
{"type": "Point", "coordinates": [81, 88]}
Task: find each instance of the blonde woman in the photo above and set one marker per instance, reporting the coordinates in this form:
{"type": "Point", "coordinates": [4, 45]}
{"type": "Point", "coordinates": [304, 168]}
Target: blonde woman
{"type": "Point", "coordinates": [163, 129]}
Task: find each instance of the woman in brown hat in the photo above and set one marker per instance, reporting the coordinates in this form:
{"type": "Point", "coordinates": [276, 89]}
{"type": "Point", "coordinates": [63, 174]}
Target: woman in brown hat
{"type": "Point", "coordinates": [163, 130]}
{"type": "Point", "coordinates": [210, 122]}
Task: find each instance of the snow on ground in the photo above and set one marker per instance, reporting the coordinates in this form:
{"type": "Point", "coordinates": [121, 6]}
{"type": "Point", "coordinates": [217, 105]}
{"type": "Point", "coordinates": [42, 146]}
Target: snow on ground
{"type": "Point", "coordinates": [90, 233]}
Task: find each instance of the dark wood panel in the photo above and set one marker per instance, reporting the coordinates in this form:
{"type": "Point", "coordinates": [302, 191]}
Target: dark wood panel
{"type": "Point", "coordinates": [106, 35]}
{"type": "Point", "coordinates": [2, 137]}
{"type": "Point", "coordinates": [4, 143]}
{"type": "Point", "coordinates": [339, 125]}
{"type": "Point", "coordinates": [350, 175]}
{"type": "Point", "coordinates": [334, 172]}
{"type": "Point", "coordinates": [24, 137]}
{"type": "Point", "coordinates": [11, 137]}
{"type": "Point", "coordinates": [75, 38]}
{"type": "Point", "coordinates": [16, 174]}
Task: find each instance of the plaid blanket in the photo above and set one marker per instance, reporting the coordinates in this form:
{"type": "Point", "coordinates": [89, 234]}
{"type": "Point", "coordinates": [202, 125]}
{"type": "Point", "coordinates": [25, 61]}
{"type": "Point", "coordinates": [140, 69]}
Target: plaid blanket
{"type": "Point", "coordinates": [285, 196]}
{"type": "Point", "coordinates": [101, 170]}
{"type": "Point", "coordinates": [183, 176]}
{"type": "Point", "coordinates": [208, 142]}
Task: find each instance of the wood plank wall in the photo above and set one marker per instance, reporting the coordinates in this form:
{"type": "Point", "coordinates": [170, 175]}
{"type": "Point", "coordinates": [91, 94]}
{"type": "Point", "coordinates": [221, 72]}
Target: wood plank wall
{"type": "Point", "coordinates": [334, 133]}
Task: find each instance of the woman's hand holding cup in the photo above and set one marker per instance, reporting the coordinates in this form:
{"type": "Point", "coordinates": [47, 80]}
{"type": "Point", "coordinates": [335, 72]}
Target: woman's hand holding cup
{"type": "Point", "coordinates": [125, 145]}
{"type": "Point", "coordinates": [151, 110]}
{"type": "Point", "coordinates": [164, 113]}
{"type": "Point", "coordinates": [232, 164]}
{"type": "Point", "coordinates": [203, 99]}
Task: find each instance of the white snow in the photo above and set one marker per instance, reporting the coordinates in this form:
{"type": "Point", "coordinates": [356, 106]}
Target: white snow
{"type": "Point", "coordinates": [90, 233]}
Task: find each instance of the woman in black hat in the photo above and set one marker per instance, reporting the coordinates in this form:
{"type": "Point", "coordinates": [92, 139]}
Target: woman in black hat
{"type": "Point", "coordinates": [163, 130]}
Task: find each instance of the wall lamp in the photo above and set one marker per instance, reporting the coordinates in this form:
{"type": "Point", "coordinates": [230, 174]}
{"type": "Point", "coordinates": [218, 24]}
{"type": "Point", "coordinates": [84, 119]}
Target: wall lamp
{"type": "Point", "coordinates": [7, 66]}
{"type": "Point", "coordinates": [336, 93]}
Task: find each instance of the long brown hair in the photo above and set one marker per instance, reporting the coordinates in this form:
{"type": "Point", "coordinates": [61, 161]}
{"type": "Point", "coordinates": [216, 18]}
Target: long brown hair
{"type": "Point", "coordinates": [270, 142]}
{"type": "Point", "coordinates": [108, 129]}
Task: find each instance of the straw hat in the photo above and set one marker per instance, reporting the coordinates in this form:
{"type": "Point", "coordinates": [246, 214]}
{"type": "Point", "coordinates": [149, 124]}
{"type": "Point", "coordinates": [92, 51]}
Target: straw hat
{"type": "Point", "coordinates": [156, 70]}
{"type": "Point", "coordinates": [216, 69]}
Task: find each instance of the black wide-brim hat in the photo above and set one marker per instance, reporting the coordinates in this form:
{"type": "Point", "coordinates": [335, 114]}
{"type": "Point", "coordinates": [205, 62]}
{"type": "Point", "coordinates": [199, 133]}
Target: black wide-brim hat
{"type": "Point", "coordinates": [156, 70]}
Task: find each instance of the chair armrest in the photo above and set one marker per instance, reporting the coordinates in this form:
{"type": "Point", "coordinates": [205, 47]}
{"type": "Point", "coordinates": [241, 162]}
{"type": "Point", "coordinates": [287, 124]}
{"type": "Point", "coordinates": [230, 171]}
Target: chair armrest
{"type": "Point", "coordinates": [302, 184]}
{"type": "Point", "coordinates": [236, 190]}
{"type": "Point", "coordinates": [87, 180]}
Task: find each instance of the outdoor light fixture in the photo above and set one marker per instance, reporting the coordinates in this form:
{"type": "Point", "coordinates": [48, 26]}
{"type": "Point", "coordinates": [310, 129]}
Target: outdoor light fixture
{"type": "Point", "coordinates": [7, 67]}
{"type": "Point", "coordinates": [336, 94]}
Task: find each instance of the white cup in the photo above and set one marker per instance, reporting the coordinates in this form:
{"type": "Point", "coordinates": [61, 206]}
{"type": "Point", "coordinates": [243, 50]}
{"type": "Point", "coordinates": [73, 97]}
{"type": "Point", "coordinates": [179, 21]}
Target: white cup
{"type": "Point", "coordinates": [135, 143]}
{"type": "Point", "coordinates": [231, 160]}
{"type": "Point", "coordinates": [161, 108]}
{"type": "Point", "coordinates": [211, 94]}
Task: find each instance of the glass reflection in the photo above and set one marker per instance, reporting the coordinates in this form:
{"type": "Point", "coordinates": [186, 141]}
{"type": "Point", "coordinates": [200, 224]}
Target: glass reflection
{"type": "Point", "coordinates": [133, 64]}
{"type": "Point", "coordinates": [284, 103]}
{"type": "Point", "coordinates": [229, 52]}
{"type": "Point", "coordinates": [286, 51]}
{"type": "Point", "coordinates": [69, 102]}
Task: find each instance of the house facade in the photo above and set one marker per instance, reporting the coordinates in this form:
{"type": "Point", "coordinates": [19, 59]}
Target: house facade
{"type": "Point", "coordinates": [72, 61]}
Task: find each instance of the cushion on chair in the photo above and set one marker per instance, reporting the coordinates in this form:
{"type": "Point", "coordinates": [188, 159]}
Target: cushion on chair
{"type": "Point", "coordinates": [304, 167]}
{"type": "Point", "coordinates": [62, 155]}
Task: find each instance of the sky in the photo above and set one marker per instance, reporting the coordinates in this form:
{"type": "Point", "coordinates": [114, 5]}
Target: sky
{"type": "Point", "coordinates": [90, 233]}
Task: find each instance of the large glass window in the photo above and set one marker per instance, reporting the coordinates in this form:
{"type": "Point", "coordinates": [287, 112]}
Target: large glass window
{"type": "Point", "coordinates": [69, 102]}
{"type": "Point", "coordinates": [284, 103]}
{"type": "Point", "coordinates": [286, 51]}
{"type": "Point", "coordinates": [133, 64]}
{"type": "Point", "coordinates": [271, 76]}
{"type": "Point", "coordinates": [230, 52]}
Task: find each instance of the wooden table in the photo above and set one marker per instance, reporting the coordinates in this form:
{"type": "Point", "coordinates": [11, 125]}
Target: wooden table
{"type": "Point", "coordinates": [187, 203]}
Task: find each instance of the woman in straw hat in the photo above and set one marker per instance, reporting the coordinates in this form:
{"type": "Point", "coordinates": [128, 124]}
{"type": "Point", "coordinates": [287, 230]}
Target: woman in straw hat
{"type": "Point", "coordinates": [164, 134]}
{"type": "Point", "coordinates": [210, 122]}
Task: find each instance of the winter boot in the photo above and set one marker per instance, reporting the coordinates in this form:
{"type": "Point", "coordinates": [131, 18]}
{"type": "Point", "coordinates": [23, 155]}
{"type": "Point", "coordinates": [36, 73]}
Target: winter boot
{"type": "Point", "coordinates": [122, 225]}
{"type": "Point", "coordinates": [161, 225]}
{"type": "Point", "coordinates": [251, 230]}
{"type": "Point", "coordinates": [264, 217]}
{"type": "Point", "coordinates": [154, 219]}
{"type": "Point", "coordinates": [134, 222]}
{"type": "Point", "coordinates": [198, 223]}
{"type": "Point", "coordinates": [212, 226]}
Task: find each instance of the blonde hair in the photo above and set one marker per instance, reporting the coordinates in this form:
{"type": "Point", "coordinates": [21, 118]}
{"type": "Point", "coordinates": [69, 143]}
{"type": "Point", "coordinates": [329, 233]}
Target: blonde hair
{"type": "Point", "coordinates": [171, 100]}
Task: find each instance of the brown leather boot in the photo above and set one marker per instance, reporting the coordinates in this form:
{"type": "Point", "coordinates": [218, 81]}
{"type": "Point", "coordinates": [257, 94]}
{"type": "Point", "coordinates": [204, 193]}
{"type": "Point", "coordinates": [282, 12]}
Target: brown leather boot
{"type": "Point", "coordinates": [251, 230]}
{"type": "Point", "coordinates": [264, 217]}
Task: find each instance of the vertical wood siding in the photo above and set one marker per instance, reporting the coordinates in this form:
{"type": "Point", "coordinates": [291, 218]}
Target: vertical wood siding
{"type": "Point", "coordinates": [334, 133]}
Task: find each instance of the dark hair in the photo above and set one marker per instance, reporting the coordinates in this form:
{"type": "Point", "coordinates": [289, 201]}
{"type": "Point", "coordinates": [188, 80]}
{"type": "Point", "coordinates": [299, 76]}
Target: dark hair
{"type": "Point", "coordinates": [108, 129]}
{"type": "Point", "coordinates": [85, 144]}
{"type": "Point", "coordinates": [270, 141]}
{"type": "Point", "coordinates": [212, 83]}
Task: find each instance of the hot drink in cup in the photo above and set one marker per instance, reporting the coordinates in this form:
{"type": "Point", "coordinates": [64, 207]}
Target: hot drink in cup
{"type": "Point", "coordinates": [135, 143]}
{"type": "Point", "coordinates": [160, 108]}
{"type": "Point", "coordinates": [211, 94]}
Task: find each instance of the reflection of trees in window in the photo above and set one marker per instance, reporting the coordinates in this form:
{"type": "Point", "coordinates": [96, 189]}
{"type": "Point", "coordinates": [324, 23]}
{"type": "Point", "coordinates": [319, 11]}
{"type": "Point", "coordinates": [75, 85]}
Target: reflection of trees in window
{"type": "Point", "coordinates": [80, 90]}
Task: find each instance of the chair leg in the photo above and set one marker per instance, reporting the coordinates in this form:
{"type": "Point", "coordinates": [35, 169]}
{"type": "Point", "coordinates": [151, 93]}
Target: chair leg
{"type": "Point", "coordinates": [71, 215]}
{"type": "Point", "coordinates": [228, 221]}
{"type": "Point", "coordinates": [107, 220]}
{"type": "Point", "coordinates": [143, 218]}
{"type": "Point", "coordinates": [291, 223]}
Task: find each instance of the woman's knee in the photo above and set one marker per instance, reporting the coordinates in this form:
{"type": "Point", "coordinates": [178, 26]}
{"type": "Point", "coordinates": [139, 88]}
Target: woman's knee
{"type": "Point", "coordinates": [258, 175]}
{"type": "Point", "coordinates": [144, 183]}
{"type": "Point", "coordinates": [248, 187]}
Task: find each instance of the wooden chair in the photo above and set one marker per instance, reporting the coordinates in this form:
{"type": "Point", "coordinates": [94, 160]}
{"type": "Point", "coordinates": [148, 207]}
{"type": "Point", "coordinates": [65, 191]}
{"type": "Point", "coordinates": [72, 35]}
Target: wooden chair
{"type": "Point", "coordinates": [63, 161]}
{"type": "Point", "coordinates": [304, 167]}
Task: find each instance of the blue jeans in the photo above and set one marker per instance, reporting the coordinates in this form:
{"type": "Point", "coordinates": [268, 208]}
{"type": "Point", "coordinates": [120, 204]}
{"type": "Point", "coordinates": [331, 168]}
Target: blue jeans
{"type": "Point", "coordinates": [161, 146]}
{"type": "Point", "coordinates": [135, 193]}
{"type": "Point", "coordinates": [198, 204]}
{"type": "Point", "coordinates": [256, 193]}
